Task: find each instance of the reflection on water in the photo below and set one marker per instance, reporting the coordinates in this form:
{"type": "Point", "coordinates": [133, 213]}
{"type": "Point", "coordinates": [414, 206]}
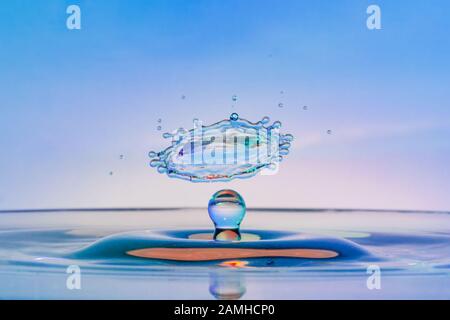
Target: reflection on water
{"type": "Point", "coordinates": [226, 284]}
{"type": "Point", "coordinates": [279, 256]}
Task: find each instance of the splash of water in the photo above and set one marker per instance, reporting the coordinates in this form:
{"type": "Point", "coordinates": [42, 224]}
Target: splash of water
{"type": "Point", "coordinates": [226, 209]}
{"type": "Point", "coordinates": [231, 148]}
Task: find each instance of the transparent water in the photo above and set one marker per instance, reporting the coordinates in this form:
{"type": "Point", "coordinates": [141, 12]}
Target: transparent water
{"type": "Point", "coordinates": [229, 149]}
{"type": "Point", "coordinates": [411, 248]}
{"type": "Point", "coordinates": [226, 209]}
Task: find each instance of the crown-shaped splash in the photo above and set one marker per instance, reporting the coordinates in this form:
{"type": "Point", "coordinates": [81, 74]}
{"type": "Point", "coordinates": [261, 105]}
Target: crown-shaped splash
{"type": "Point", "coordinates": [231, 148]}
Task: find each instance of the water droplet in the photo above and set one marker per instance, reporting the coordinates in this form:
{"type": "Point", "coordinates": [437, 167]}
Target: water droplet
{"type": "Point", "coordinates": [265, 120]}
{"type": "Point", "coordinates": [152, 154]}
{"type": "Point", "coordinates": [329, 132]}
{"type": "Point", "coordinates": [183, 97]}
{"type": "Point", "coordinates": [159, 120]}
{"type": "Point", "coordinates": [234, 116]}
{"type": "Point", "coordinates": [111, 173]}
{"type": "Point", "coordinates": [226, 209]}
{"type": "Point", "coordinates": [276, 125]}
{"type": "Point", "coordinates": [280, 105]}
{"type": "Point", "coordinates": [159, 128]}
{"type": "Point", "coordinates": [121, 157]}
{"type": "Point", "coordinates": [281, 92]}
{"type": "Point", "coordinates": [234, 98]}
{"type": "Point", "coordinates": [162, 169]}
{"type": "Point", "coordinates": [305, 107]}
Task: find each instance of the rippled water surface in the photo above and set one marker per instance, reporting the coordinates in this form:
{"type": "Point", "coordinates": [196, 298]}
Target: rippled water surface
{"type": "Point", "coordinates": [170, 254]}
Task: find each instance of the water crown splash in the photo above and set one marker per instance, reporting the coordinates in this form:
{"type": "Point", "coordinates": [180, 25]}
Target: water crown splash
{"type": "Point", "coordinates": [231, 148]}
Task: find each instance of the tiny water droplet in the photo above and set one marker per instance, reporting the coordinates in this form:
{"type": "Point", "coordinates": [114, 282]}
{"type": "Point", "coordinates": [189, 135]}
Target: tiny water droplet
{"type": "Point", "coordinates": [329, 132]}
{"type": "Point", "coordinates": [196, 122]}
{"type": "Point", "coordinates": [305, 107]}
{"type": "Point", "coordinates": [281, 92]}
{"type": "Point", "coordinates": [111, 173]}
{"type": "Point", "coordinates": [277, 124]}
{"type": "Point", "coordinates": [234, 98]}
{"type": "Point", "coordinates": [183, 97]}
{"type": "Point", "coordinates": [226, 209]}
{"type": "Point", "coordinates": [159, 128]}
{"type": "Point", "coordinates": [159, 120]}
{"type": "Point", "coordinates": [234, 116]}
{"type": "Point", "coordinates": [152, 154]}
{"type": "Point", "coordinates": [121, 157]}
{"type": "Point", "coordinates": [280, 105]}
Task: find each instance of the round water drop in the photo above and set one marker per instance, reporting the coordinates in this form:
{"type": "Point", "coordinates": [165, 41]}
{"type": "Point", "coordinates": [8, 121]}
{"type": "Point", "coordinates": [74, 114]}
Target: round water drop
{"type": "Point", "coordinates": [155, 163]}
{"type": "Point", "coordinates": [305, 107]}
{"type": "Point", "coordinates": [162, 169]}
{"type": "Point", "coordinates": [196, 122]}
{"type": "Point", "coordinates": [329, 132]}
{"type": "Point", "coordinates": [159, 128]}
{"type": "Point", "coordinates": [226, 209]}
{"type": "Point", "coordinates": [159, 120]}
{"type": "Point", "coordinates": [234, 116]}
{"type": "Point", "coordinates": [152, 154]}
{"type": "Point", "coordinates": [280, 105]}
{"type": "Point", "coordinates": [234, 98]}
{"type": "Point", "coordinates": [276, 125]}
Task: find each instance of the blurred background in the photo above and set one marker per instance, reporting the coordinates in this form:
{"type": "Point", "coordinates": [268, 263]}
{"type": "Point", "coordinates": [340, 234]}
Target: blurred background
{"type": "Point", "coordinates": [369, 109]}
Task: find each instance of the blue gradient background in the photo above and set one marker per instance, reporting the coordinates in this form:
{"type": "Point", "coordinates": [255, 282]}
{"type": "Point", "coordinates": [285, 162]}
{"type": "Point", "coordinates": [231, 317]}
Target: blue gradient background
{"type": "Point", "coordinates": [71, 102]}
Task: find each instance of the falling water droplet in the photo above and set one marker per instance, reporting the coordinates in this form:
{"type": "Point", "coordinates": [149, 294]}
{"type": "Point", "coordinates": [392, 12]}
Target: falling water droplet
{"type": "Point", "coordinates": [111, 173]}
{"type": "Point", "coordinates": [234, 98]}
{"type": "Point", "coordinates": [159, 128]}
{"type": "Point", "coordinates": [305, 107]}
{"type": "Point", "coordinates": [226, 209]}
{"type": "Point", "coordinates": [329, 132]}
{"type": "Point", "coordinates": [183, 97]}
{"type": "Point", "coordinates": [280, 105]}
{"type": "Point", "coordinates": [234, 116]}
{"type": "Point", "coordinates": [121, 157]}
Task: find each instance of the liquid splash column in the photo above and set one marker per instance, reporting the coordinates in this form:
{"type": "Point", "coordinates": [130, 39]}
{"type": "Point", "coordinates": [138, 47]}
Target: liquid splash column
{"type": "Point", "coordinates": [226, 209]}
